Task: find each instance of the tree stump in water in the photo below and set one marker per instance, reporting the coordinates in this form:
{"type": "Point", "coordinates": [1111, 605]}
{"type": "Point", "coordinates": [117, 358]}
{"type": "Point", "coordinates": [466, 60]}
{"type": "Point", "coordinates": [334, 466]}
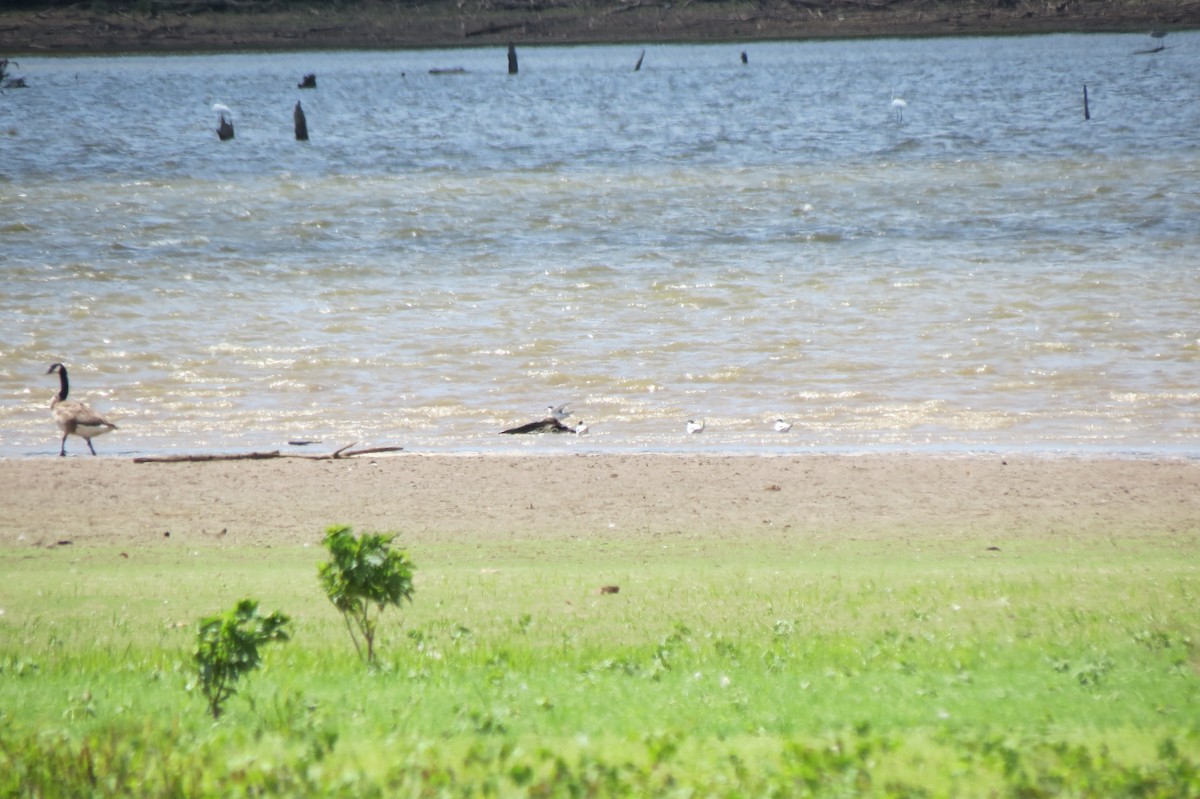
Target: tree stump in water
{"type": "Point", "coordinates": [224, 122]}
{"type": "Point", "coordinates": [301, 122]}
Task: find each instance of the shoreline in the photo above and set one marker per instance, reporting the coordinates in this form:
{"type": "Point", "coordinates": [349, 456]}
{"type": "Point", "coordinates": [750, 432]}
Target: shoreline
{"type": "Point", "coordinates": [323, 452]}
{"type": "Point", "coordinates": [78, 30]}
{"type": "Point", "coordinates": [458, 500]}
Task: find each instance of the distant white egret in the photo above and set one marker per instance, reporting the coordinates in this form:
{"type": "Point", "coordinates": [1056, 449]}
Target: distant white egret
{"type": "Point", "coordinates": [898, 106]}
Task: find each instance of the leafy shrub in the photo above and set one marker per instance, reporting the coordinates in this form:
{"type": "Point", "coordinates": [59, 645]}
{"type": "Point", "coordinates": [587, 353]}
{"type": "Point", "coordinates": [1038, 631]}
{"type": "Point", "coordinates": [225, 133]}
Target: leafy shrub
{"type": "Point", "coordinates": [227, 648]}
{"type": "Point", "coordinates": [363, 577]}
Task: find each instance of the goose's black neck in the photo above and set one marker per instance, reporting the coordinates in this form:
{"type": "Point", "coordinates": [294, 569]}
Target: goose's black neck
{"type": "Point", "coordinates": [64, 386]}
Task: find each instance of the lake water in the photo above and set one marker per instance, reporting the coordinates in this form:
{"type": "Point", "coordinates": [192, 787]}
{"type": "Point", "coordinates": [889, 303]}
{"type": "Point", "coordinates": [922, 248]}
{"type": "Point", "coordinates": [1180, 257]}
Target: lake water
{"type": "Point", "coordinates": [701, 239]}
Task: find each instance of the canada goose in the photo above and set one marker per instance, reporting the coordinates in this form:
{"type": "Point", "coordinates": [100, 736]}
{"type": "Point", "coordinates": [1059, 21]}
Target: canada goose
{"type": "Point", "coordinates": [74, 417]}
{"type": "Point", "coordinates": [695, 427]}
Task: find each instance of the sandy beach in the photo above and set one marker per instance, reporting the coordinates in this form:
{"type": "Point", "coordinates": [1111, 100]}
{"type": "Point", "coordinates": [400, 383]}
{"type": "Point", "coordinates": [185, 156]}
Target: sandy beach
{"type": "Point", "coordinates": [982, 501]}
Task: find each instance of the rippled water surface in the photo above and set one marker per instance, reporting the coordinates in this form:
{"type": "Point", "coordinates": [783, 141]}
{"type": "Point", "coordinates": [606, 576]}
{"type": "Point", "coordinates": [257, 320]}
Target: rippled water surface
{"type": "Point", "coordinates": [451, 253]}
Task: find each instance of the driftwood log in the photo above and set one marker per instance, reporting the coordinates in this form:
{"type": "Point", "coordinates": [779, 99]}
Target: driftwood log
{"type": "Point", "coordinates": [547, 425]}
{"type": "Point", "coordinates": [344, 452]}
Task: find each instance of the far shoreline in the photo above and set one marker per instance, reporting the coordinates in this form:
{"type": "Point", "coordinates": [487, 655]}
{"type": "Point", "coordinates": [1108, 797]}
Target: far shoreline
{"type": "Point", "coordinates": [368, 25]}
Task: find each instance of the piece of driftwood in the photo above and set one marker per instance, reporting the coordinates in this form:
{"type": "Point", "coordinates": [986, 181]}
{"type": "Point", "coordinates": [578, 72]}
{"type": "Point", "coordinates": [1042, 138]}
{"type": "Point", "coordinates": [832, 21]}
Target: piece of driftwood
{"type": "Point", "coordinates": [244, 456]}
{"type": "Point", "coordinates": [338, 454]}
{"type": "Point", "coordinates": [638, 65]}
{"type": "Point", "coordinates": [341, 453]}
{"type": "Point", "coordinates": [547, 425]}
{"type": "Point", "coordinates": [309, 81]}
{"type": "Point", "coordinates": [512, 60]}
{"type": "Point", "coordinates": [1087, 114]}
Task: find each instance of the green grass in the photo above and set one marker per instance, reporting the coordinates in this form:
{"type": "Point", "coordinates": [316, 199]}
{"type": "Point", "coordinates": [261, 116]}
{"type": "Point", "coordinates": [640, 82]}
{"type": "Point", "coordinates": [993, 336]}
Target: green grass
{"type": "Point", "coordinates": [722, 668]}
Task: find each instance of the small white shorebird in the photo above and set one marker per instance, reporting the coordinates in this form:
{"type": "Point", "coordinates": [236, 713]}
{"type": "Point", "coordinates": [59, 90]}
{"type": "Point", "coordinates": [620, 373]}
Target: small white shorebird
{"type": "Point", "coordinates": [559, 412]}
{"type": "Point", "coordinates": [581, 429]}
{"type": "Point", "coordinates": [74, 417]}
{"type": "Point", "coordinates": [695, 427]}
{"type": "Point", "coordinates": [781, 426]}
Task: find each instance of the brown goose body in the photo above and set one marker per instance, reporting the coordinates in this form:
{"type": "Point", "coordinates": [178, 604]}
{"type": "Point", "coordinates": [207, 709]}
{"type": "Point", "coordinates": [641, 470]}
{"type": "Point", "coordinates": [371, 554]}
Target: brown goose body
{"type": "Point", "coordinates": [75, 418]}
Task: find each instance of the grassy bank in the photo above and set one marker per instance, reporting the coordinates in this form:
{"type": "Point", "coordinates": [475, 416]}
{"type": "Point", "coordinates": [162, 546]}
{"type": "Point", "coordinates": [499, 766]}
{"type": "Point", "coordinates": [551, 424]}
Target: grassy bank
{"type": "Point", "coordinates": [738, 668]}
{"type": "Point", "coordinates": [188, 25]}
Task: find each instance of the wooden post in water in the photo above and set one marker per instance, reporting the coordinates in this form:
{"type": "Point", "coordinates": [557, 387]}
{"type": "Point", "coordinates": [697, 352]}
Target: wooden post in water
{"type": "Point", "coordinates": [224, 122]}
{"type": "Point", "coordinates": [638, 65]}
{"type": "Point", "coordinates": [512, 60]}
{"type": "Point", "coordinates": [301, 122]}
{"type": "Point", "coordinates": [1086, 113]}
